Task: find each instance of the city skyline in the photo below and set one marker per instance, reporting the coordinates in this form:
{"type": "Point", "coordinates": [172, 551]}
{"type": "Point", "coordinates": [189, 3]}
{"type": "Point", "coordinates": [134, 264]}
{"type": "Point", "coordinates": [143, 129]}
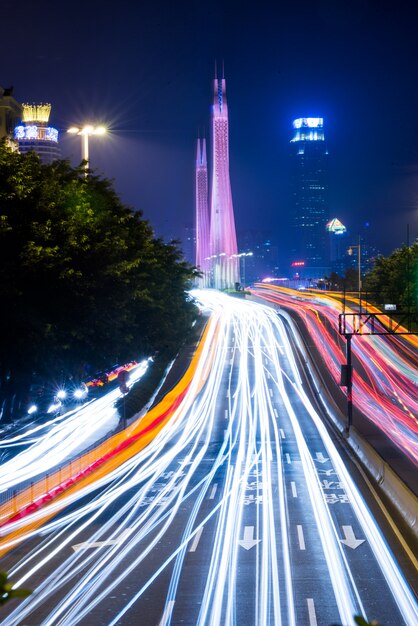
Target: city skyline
{"type": "Point", "coordinates": [347, 64]}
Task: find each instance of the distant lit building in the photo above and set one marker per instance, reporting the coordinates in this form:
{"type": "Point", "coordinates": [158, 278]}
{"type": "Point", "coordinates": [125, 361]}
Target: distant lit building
{"type": "Point", "coordinates": [310, 196]}
{"type": "Point", "coordinates": [10, 112]}
{"type": "Point", "coordinates": [35, 134]}
{"type": "Point", "coordinates": [337, 234]}
{"type": "Point", "coordinates": [258, 255]}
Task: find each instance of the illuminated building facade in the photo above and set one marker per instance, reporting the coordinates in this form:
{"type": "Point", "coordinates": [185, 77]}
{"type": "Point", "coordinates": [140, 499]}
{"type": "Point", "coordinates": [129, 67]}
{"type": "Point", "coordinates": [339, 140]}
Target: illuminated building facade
{"type": "Point", "coordinates": [310, 194]}
{"type": "Point", "coordinates": [35, 134]}
{"type": "Point", "coordinates": [337, 234]}
{"type": "Point", "coordinates": [10, 112]}
{"type": "Point", "coordinates": [223, 238]}
{"type": "Point", "coordinates": [202, 214]}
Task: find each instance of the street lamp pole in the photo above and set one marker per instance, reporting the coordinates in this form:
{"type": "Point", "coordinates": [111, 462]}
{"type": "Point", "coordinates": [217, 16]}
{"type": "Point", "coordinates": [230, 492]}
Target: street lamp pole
{"type": "Point", "coordinates": [85, 133]}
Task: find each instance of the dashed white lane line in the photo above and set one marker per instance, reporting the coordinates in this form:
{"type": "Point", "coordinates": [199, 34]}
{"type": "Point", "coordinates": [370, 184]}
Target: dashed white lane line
{"type": "Point", "coordinates": [288, 459]}
{"type": "Point", "coordinates": [196, 540]}
{"type": "Point", "coordinates": [294, 490]}
{"type": "Point", "coordinates": [301, 537]}
{"type": "Point", "coordinates": [213, 491]}
{"type": "Point", "coordinates": [226, 414]}
{"type": "Point", "coordinates": [271, 392]}
{"type": "Point", "coordinates": [282, 434]}
{"type": "Point", "coordinates": [311, 612]}
{"type": "Point", "coordinates": [275, 413]}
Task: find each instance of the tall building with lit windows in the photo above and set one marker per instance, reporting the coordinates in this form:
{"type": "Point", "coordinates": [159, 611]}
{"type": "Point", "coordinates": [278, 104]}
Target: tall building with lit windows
{"type": "Point", "coordinates": [35, 134]}
{"type": "Point", "coordinates": [310, 197]}
{"type": "Point", "coordinates": [202, 215]}
{"type": "Point", "coordinates": [223, 238]}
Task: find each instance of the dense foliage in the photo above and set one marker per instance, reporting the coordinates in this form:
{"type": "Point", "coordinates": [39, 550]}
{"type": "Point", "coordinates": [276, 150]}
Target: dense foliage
{"type": "Point", "coordinates": [83, 281]}
{"type": "Point", "coordinates": [394, 279]}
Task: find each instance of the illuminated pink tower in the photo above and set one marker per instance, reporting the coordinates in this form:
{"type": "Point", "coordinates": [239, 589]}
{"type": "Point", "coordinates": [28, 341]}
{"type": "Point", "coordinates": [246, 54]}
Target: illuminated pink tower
{"type": "Point", "coordinates": [202, 214]}
{"type": "Point", "coordinates": [223, 238]}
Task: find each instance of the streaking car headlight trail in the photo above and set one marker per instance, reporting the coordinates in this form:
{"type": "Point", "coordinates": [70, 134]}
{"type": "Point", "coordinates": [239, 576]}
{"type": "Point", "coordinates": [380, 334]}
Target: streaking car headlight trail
{"type": "Point", "coordinates": [225, 517]}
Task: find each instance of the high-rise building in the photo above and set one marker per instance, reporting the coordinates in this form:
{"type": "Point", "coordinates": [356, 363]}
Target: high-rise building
{"type": "Point", "coordinates": [223, 238]}
{"type": "Point", "coordinates": [337, 235]}
{"type": "Point", "coordinates": [10, 112]}
{"type": "Point", "coordinates": [310, 193]}
{"type": "Point", "coordinates": [202, 214]}
{"type": "Point", "coordinates": [35, 134]}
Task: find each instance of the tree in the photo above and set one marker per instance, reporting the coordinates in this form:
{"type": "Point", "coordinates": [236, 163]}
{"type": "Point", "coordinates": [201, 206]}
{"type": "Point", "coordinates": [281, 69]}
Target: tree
{"type": "Point", "coordinates": [394, 279]}
{"type": "Point", "coordinates": [82, 277]}
{"type": "Point", "coordinates": [7, 592]}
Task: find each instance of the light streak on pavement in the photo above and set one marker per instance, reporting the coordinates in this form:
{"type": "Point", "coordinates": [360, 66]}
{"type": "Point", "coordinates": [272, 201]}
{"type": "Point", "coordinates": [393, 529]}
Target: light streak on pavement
{"type": "Point", "coordinates": [155, 532]}
{"type": "Point", "coordinates": [61, 438]}
{"type": "Point", "coordinates": [386, 391]}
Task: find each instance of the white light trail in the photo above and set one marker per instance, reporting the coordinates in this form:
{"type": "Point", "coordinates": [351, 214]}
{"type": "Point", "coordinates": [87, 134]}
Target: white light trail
{"type": "Point", "coordinates": [166, 492]}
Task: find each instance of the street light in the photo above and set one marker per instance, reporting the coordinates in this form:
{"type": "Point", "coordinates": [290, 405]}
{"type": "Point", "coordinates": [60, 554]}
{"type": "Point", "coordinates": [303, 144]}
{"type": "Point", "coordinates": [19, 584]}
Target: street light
{"type": "Point", "coordinates": [350, 252]}
{"type": "Point", "coordinates": [243, 255]}
{"type": "Point", "coordinates": [85, 133]}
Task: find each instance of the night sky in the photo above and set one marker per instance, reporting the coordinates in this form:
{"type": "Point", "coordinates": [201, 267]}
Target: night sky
{"type": "Point", "coordinates": [145, 70]}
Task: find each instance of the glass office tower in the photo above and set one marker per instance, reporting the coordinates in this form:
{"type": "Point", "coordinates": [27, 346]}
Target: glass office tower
{"type": "Point", "coordinates": [310, 197]}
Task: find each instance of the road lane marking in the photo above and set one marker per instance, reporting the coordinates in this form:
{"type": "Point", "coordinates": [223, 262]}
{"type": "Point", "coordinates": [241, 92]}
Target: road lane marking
{"type": "Point", "coordinates": [321, 458]}
{"type": "Point", "coordinates": [167, 613]}
{"type": "Point", "coordinates": [226, 414]}
{"type": "Point", "coordinates": [196, 540]}
{"type": "Point", "coordinates": [311, 612]}
{"type": "Point", "coordinates": [271, 392]}
{"type": "Point", "coordinates": [248, 540]}
{"type": "Point", "coordinates": [350, 538]}
{"type": "Point", "coordinates": [282, 434]}
{"type": "Point", "coordinates": [98, 544]}
{"type": "Point", "coordinates": [212, 493]}
{"type": "Point", "coordinates": [288, 458]}
{"type": "Point", "coordinates": [275, 412]}
{"type": "Point", "coordinates": [294, 490]}
{"type": "Point", "coordinates": [301, 538]}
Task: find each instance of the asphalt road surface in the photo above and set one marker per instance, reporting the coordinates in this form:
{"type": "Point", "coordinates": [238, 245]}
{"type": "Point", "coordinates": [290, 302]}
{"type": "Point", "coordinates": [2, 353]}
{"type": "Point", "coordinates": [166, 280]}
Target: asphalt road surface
{"type": "Point", "coordinates": [243, 510]}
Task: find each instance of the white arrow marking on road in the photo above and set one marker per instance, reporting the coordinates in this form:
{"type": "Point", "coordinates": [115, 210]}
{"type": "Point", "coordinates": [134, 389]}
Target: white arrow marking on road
{"type": "Point", "coordinates": [321, 458]}
{"type": "Point", "coordinates": [99, 544]}
{"type": "Point", "coordinates": [248, 540]}
{"type": "Point", "coordinates": [350, 539]}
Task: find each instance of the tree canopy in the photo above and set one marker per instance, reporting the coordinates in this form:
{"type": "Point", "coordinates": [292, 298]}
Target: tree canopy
{"type": "Point", "coordinates": [83, 279]}
{"type": "Point", "coordinates": [394, 279]}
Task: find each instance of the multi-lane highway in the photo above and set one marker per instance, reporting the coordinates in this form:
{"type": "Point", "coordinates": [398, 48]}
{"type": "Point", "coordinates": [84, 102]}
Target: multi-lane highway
{"type": "Point", "coordinates": [385, 379]}
{"type": "Point", "coordinates": [241, 508]}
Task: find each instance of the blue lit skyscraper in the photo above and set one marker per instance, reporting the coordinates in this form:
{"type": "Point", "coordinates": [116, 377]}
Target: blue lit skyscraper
{"type": "Point", "coordinates": [310, 197]}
